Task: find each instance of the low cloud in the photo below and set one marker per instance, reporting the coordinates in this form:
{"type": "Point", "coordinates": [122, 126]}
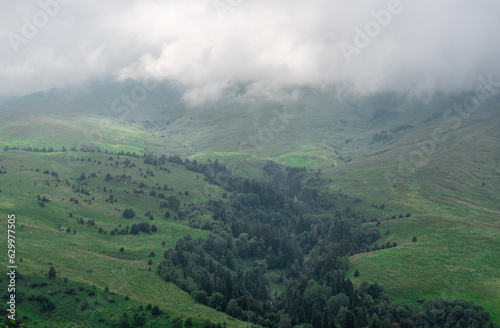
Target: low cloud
{"type": "Point", "coordinates": [211, 46]}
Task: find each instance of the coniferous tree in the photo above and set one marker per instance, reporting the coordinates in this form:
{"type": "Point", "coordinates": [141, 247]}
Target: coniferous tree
{"type": "Point", "coordinates": [375, 324]}
{"type": "Point", "coordinates": [348, 320]}
{"type": "Point", "coordinates": [325, 320]}
{"type": "Point", "coordinates": [52, 273]}
{"type": "Point", "coordinates": [362, 317]}
{"type": "Point", "coordinates": [315, 318]}
{"type": "Point", "coordinates": [300, 315]}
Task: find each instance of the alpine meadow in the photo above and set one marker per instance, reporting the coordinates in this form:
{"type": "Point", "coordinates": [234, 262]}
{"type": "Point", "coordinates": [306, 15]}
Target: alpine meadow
{"type": "Point", "coordinates": [250, 164]}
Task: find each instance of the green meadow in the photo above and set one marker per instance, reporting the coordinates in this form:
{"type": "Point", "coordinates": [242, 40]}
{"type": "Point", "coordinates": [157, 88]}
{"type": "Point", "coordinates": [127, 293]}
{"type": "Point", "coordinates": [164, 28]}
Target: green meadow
{"type": "Point", "coordinates": [88, 257]}
{"type": "Point", "coordinates": [451, 192]}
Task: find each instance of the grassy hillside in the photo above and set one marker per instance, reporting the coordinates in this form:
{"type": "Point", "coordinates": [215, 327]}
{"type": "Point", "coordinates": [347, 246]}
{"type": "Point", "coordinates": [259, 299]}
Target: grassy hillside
{"type": "Point", "coordinates": [383, 149]}
{"type": "Point", "coordinates": [87, 256]}
{"type": "Point", "coordinates": [450, 259]}
{"type": "Point", "coordinates": [453, 193]}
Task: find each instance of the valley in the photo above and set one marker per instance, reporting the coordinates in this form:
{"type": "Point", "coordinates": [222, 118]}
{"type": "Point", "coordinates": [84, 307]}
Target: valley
{"type": "Point", "coordinates": [364, 160]}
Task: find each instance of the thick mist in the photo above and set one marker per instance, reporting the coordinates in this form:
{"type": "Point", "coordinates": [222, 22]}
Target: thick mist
{"type": "Point", "coordinates": [211, 46]}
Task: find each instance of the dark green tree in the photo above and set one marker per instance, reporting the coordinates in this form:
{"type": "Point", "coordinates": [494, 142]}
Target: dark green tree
{"type": "Point", "coordinates": [299, 315]}
{"type": "Point", "coordinates": [200, 296]}
{"type": "Point", "coordinates": [325, 320]}
{"type": "Point", "coordinates": [189, 323]}
{"type": "Point", "coordinates": [177, 323]}
{"type": "Point", "coordinates": [348, 320]}
{"type": "Point", "coordinates": [233, 308]}
{"type": "Point", "coordinates": [134, 230]}
{"type": "Point", "coordinates": [362, 317]}
{"type": "Point", "coordinates": [125, 323]}
{"type": "Point", "coordinates": [139, 320]}
{"type": "Point", "coordinates": [145, 227]}
{"type": "Point", "coordinates": [315, 318]}
{"type": "Point", "coordinates": [128, 213]}
{"type": "Point", "coordinates": [217, 301]}
{"type": "Point", "coordinates": [52, 273]}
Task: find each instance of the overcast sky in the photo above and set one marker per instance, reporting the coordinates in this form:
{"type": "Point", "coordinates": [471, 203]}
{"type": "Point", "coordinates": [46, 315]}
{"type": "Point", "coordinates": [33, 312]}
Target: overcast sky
{"type": "Point", "coordinates": [210, 44]}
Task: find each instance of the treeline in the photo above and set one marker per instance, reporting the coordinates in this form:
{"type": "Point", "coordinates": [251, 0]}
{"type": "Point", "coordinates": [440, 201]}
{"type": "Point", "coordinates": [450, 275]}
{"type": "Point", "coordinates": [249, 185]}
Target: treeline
{"type": "Point", "coordinates": [73, 149]}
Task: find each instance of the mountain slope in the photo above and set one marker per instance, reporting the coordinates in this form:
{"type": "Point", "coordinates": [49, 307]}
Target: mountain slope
{"type": "Point", "coordinates": [408, 154]}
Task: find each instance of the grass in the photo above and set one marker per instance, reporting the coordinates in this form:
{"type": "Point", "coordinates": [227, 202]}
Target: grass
{"type": "Point", "coordinates": [79, 304]}
{"type": "Point", "coordinates": [450, 259]}
{"type": "Point", "coordinates": [456, 255]}
{"type": "Point", "coordinates": [454, 216]}
{"type": "Point", "coordinates": [92, 258]}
